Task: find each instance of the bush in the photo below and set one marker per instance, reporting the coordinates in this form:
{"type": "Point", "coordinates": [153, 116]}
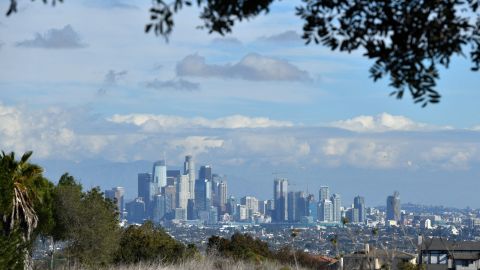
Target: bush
{"type": "Point", "coordinates": [239, 247]}
{"type": "Point", "coordinates": [148, 243]}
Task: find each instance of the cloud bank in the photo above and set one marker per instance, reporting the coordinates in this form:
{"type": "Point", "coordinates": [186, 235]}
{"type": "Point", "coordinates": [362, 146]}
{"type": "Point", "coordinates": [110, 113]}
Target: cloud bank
{"type": "Point", "coordinates": [235, 140]}
{"type": "Point", "coordinates": [153, 123]}
{"type": "Point", "coordinates": [381, 123]}
{"type": "Point", "coordinates": [252, 67]}
{"type": "Point", "coordinates": [64, 38]}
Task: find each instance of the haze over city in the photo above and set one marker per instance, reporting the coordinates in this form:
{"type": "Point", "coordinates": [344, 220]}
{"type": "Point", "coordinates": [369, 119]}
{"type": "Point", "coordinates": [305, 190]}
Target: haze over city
{"type": "Point", "coordinates": [102, 100]}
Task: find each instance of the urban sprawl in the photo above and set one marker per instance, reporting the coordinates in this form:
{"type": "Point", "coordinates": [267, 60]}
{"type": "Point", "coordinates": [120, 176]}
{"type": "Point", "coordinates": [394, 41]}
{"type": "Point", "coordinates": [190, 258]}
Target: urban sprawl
{"type": "Point", "coordinates": [192, 207]}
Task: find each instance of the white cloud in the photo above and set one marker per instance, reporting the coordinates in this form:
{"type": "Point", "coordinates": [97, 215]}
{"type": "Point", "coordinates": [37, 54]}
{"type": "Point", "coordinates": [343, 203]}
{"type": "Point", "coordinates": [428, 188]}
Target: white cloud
{"type": "Point", "coordinates": [380, 123]}
{"type": "Point", "coordinates": [452, 156]}
{"type": "Point", "coordinates": [252, 67]}
{"type": "Point", "coordinates": [64, 38]}
{"type": "Point", "coordinates": [196, 145]}
{"type": "Point", "coordinates": [152, 123]}
{"type": "Point", "coordinates": [368, 153]}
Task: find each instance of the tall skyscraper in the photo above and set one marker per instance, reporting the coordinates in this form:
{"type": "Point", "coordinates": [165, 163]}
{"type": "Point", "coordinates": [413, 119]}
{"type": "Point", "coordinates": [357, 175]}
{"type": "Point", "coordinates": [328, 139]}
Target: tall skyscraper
{"type": "Point", "coordinates": [312, 208]}
{"type": "Point", "coordinates": [144, 180]}
{"type": "Point", "coordinates": [216, 179]}
{"type": "Point", "coordinates": [292, 206]}
{"type": "Point", "coordinates": [182, 191]}
{"type": "Point", "coordinates": [170, 193]}
{"type": "Point", "coordinates": [300, 205]}
{"type": "Point", "coordinates": [325, 211]}
{"type": "Point", "coordinates": [336, 205]}
{"type": "Point", "coordinates": [158, 208]}
{"type": "Point", "coordinates": [203, 194]}
{"type": "Point", "coordinates": [393, 207]}
{"type": "Point", "coordinates": [189, 169]}
{"type": "Point", "coordinates": [191, 210]}
{"type": "Point", "coordinates": [172, 176]}
{"type": "Point", "coordinates": [231, 206]}
{"type": "Point", "coordinates": [205, 172]}
{"type": "Point", "coordinates": [359, 203]}
{"type": "Point", "coordinates": [136, 210]}
{"type": "Point", "coordinates": [262, 207]}
{"type": "Point", "coordinates": [222, 192]}
{"type": "Point", "coordinates": [323, 193]}
{"type": "Point", "coordinates": [116, 195]}
{"type": "Point", "coordinates": [241, 212]}
{"type": "Point", "coordinates": [353, 215]}
{"type": "Point", "coordinates": [280, 191]}
{"type": "Point", "coordinates": [250, 202]}
{"type": "Point", "coordinates": [159, 174]}
{"type": "Point", "coordinates": [174, 173]}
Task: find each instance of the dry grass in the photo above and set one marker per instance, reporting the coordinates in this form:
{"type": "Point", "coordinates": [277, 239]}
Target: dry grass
{"type": "Point", "coordinates": [208, 263]}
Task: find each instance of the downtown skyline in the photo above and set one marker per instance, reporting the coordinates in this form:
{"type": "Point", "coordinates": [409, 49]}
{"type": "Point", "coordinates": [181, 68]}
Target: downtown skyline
{"type": "Point", "coordinates": [261, 101]}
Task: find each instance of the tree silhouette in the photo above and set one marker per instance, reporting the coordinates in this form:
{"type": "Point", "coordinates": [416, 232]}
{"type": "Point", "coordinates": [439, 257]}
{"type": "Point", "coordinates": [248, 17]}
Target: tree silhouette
{"type": "Point", "coordinates": [407, 40]}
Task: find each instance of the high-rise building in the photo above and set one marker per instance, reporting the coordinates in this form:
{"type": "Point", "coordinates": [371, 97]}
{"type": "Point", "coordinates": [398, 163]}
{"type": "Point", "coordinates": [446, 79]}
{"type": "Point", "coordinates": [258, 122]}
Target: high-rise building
{"type": "Point", "coordinates": [174, 173]}
{"type": "Point", "coordinates": [159, 174]}
{"type": "Point", "coordinates": [158, 208]}
{"type": "Point", "coordinates": [116, 195]}
{"type": "Point", "coordinates": [353, 215]}
{"type": "Point", "coordinates": [325, 211]}
{"type": "Point", "coordinates": [242, 212]}
{"type": "Point", "coordinates": [251, 203]}
{"type": "Point", "coordinates": [323, 193]}
{"type": "Point", "coordinates": [136, 210]}
{"type": "Point", "coordinates": [262, 207]}
{"type": "Point", "coordinates": [213, 215]}
{"type": "Point", "coordinates": [180, 214]}
{"type": "Point", "coordinates": [170, 193]}
{"type": "Point", "coordinates": [189, 170]}
{"type": "Point", "coordinates": [203, 194]}
{"type": "Point", "coordinates": [221, 197]}
{"type": "Point", "coordinates": [359, 203]}
{"type": "Point", "coordinates": [144, 180]}
{"type": "Point", "coordinates": [205, 172]}
{"type": "Point", "coordinates": [300, 205]}
{"type": "Point", "coordinates": [191, 210]}
{"type": "Point", "coordinates": [172, 176]}
{"type": "Point", "coordinates": [336, 205]}
{"type": "Point", "coordinates": [280, 191]}
{"type": "Point", "coordinates": [270, 211]}
{"type": "Point", "coordinates": [292, 206]}
{"type": "Point", "coordinates": [182, 191]}
{"type": "Point", "coordinates": [216, 179]}
{"type": "Point", "coordinates": [312, 208]}
{"type": "Point", "coordinates": [231, 206]}
{"type": "Point", "coordinates": [393, 207]}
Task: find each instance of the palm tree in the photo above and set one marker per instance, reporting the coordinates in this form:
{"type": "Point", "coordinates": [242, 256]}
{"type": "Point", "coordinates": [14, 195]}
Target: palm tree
{"type": "Point", "coordinates": [18, 195]}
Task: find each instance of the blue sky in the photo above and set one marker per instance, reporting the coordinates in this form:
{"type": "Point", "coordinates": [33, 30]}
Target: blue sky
{"type": "Point", "coordinates": [81, 82]}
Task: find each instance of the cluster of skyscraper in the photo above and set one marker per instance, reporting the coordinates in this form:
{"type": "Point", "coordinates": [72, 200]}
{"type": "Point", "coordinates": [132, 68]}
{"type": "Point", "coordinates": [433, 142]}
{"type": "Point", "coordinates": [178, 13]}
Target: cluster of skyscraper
{"type": "Point", "coordinates": [180, 195]}
{"type": "Point", "coordinates": [296, 206]}
{"type": "Point", "coordinates": [172, 194]}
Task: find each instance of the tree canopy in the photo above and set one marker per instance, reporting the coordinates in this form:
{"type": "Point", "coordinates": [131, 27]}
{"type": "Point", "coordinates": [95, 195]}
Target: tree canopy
{"type": "Point", "coordinates": [407, 40]}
